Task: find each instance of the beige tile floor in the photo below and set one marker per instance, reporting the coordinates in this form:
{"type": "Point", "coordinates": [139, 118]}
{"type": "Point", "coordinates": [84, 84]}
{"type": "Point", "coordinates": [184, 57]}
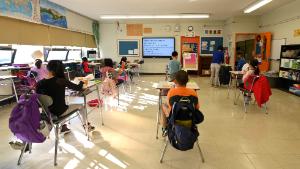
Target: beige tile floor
{"type": "Point", "coordinates": [230, 139]}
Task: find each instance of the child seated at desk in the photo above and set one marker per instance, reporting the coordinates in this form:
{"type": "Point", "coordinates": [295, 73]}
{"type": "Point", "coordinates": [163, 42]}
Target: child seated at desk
{"type": "Point", "coordinates": [55, 87]}
{"type": "Point", "coordinates": [173, 66]}
{"type": "Point", "coordinates": [110, 83]}
{"type": "Point", "coordinates": [85, 66]}
{"type": "Point", "coordinates": [123, 65]}
{"type": "Point", "coordinates": [39, 70]}
{"type": "Point", "coordinates": [250, 69]}
{"type": "Point", "coordinates": [181, 80]}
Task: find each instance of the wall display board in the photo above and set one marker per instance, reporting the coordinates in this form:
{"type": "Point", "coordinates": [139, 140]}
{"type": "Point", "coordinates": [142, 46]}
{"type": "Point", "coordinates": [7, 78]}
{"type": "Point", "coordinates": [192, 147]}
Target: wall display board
{"type": "Point", "coordinates": [128, 48]}
{"type": "Point", "coordinates": [190, 61]}
{"type": "Point", "coordinates": [17, 8]}
{"type": "Point", "coordinates": [53, 14]}
{"type": "Point", "coordinates": [210, 44]}
{"type": "Point", "coordinates": [160, 47]}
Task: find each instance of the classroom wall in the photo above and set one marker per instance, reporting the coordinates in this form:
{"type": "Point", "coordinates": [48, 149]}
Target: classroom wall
{"type": "Point", "coordinates": [238, 24]}
{"type": "Point", "coordinates": [109, 36]}
{"type": "Point", "coordinates": [282, 22]}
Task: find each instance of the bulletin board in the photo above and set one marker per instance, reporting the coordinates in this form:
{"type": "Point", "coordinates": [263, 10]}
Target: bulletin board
{"type": "Point", "coordinates": [128, 48]}
{"type": "Point", "coordinates": [134, 29]}
{"type": "Point", "coordinates": [210, 44]}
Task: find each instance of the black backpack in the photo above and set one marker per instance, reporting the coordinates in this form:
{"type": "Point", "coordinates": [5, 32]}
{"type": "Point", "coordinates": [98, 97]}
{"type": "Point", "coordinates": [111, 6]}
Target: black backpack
{"type": "Point", "coordinates": [182, 129]}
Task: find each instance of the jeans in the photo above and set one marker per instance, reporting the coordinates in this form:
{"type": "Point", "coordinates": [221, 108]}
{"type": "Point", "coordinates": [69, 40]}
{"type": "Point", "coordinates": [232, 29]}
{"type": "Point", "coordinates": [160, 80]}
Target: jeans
{"type": "Point", "coordinates": [214, 77]}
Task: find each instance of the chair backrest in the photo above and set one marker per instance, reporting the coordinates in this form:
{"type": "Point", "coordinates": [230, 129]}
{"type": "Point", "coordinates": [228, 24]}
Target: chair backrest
{"type": "Point", "coordinates": [249, 83]}
{"type": "Point", "coordinates": [45, 101]}
{"type": "Point", "coordinates": [182, 130]}
{"type": "Point", "coordinates": [184, 112]}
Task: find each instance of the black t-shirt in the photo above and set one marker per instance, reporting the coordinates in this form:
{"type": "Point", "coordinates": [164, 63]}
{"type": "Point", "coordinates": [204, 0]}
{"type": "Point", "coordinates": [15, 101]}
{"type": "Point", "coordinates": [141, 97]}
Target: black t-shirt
{"type": "Point", "coordinates": [55, 88]}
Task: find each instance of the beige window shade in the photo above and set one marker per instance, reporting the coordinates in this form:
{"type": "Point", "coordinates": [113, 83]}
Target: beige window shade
{"type": "Point", "coordinates": [9, 31]}
{"type": "Point", "coordinates": [60, 37]}
{"type": "Point", "coordinates": [78, 39]}
{"type": "Point", "coordinates": [34, 34]}
{"type": "Point", "coordinates": [13, 31]}
{"type": "Point", "coordinates": [90, 41]}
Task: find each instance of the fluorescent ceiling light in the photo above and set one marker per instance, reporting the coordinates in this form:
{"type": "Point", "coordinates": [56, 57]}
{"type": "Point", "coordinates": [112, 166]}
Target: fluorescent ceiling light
{"type": "Point", "coordinates": [190, 16]}
{"type": "Point", "coordinates": [256, 5]}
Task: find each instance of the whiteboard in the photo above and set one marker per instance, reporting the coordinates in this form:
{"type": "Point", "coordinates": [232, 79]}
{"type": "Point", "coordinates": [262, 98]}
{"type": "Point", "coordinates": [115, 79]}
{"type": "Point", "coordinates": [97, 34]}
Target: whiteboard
{"type": "Point", "coordinates": [276, 48]}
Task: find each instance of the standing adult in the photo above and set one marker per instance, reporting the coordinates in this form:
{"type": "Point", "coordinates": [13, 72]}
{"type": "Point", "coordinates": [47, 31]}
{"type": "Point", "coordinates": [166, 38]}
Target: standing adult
{"type": "Point", "coordinates": [217, 60]}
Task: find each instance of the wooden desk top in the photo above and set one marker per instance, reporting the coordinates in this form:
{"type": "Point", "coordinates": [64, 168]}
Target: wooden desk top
{"type": "Point", "coordinates": [7, 77]}
{"type": "Point", "coordinates": [169, 85]}
{"type": "Point", "coordinates": [236, 72]}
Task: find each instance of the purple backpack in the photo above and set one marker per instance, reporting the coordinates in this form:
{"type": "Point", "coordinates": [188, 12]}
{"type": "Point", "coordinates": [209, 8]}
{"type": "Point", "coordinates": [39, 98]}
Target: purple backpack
{"type": "Point", "coordinates": [25, 119]}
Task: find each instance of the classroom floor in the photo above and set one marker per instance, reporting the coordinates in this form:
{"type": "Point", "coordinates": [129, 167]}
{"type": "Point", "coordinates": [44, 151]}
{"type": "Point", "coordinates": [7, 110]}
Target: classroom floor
{"type": "Point", "coordinates": [229, 138]}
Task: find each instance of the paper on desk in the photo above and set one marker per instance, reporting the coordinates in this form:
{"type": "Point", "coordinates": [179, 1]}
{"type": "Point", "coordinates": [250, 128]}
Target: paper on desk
{"type": "Point", "coordinates": [130, 52]}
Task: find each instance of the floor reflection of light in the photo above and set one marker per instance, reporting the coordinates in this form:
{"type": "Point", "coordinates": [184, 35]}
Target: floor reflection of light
{"type": "Point", "coordinates": [83, 140]}
{"type": "Point", "coordinates": [145, 102]}
{"type": "Point", "coordinates": [112, 158]}
{"type": "Point", "coordinates": [73, 150]}
{"type": "Point", "coordinates": [92, 164]}
{"type": "Point", "coordinates": [139, 107]}
{"type": "Point", "coordinates": [154, 85]}
{"type": "Point", "coordinates": [103, 166]}
{"type": "Point", "coordinates": [72, 164]}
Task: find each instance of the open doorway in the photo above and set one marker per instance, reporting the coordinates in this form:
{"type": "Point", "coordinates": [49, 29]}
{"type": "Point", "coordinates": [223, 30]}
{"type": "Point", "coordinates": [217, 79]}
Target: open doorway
{"type": "Point", "coordinates": [245, 46]}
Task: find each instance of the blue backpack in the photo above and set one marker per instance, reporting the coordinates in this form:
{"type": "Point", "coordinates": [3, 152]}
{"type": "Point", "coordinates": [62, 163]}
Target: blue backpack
{"type": "Point", "coordinates": [182, 129]}
{"type": "Point", "coordinates": [26, 121]}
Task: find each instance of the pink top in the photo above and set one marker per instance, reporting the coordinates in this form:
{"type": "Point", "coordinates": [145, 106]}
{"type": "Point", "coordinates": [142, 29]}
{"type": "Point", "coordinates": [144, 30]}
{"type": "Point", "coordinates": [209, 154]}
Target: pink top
{"type": "Point", "coordinates": [41, 73]}
{"type": "Point", "coordinates": [106, 69]}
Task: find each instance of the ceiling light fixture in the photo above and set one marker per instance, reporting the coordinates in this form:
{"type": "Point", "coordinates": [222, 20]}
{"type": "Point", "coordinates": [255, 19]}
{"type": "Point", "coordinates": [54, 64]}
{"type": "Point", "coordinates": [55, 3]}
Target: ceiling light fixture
{"type": "Point", "coordinates": [190, 16]}
{"type": "Point", "coordinates": [256, 5]}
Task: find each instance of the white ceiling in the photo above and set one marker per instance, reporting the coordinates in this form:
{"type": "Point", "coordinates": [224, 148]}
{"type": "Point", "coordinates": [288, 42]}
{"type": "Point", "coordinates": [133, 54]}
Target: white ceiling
{"type": "Point", "coordinates": [219, 9]}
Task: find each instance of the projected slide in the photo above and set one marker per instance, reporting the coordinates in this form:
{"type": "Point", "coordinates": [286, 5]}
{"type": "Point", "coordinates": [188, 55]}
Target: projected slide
{"type": "Point", "coordinates": [57, 55]}
{"type": "Point", "coordinates": [158, 47]}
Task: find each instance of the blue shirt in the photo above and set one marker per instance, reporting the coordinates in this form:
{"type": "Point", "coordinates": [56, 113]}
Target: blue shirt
{"type": "Point", "coordinates": [174, 66]}
{"type": "Point", "coordinates": [240, 64]}
{"type": "Point", "coordinates": [218, 57]}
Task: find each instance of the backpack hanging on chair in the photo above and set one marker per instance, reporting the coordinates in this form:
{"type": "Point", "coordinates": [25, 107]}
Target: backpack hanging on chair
{"type": "Point", "coordinates": [26, 121]}
{"type": "Point", "coordinates": [182, 129]}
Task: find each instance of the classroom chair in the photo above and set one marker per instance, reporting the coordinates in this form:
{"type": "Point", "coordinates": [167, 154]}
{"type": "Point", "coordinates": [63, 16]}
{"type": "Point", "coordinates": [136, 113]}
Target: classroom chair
{"type": "Point", "coordinates": [247, 92]}
{"type": "Point", "coordinates": [57, 122]}
{"type": "Point", "coordinates": [165, 149]}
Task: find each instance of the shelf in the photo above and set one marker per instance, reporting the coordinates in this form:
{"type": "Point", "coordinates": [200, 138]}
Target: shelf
{"type": "Point", "coordinates": [289, 58]}
{"type": "Point", "coordinates": [290, 79]}
{"type": "Point", "coordinates": [289, 68]}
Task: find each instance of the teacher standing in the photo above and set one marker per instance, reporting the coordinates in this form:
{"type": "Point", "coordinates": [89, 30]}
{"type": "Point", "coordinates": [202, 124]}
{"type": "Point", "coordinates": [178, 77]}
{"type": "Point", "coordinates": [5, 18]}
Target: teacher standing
{"type": "Point", "coordinates": [217, 60]}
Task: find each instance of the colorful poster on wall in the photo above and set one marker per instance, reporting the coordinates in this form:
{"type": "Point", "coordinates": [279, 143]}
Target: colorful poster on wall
{"type": "Point", "coordinates": [17, 8]}
{"type": "Point", "coordinates": [53, 14]}
{"type": "Point", "coordinates": [190, 61]}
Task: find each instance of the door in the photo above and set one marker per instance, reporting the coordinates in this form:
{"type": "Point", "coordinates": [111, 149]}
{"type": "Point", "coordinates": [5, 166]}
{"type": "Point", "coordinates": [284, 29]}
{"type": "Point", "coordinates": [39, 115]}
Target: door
{"type": "Point", "coordinates": [249, 48]}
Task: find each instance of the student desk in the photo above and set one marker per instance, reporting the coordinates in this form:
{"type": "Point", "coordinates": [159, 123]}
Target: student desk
{"type": "Point", "coordinates": [92, 86]}
{"type": "Point", "coordinates": [11, 78]}
{"type": "Point", "coordinates": [165, 85]}
{"type": "Point", "coordinates": [94, 66]}
{"type": "Point", "coordinates": [236, 75]}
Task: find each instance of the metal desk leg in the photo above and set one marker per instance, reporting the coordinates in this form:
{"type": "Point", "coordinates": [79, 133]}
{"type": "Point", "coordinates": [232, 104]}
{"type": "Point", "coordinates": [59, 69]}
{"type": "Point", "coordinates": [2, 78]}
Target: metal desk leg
{"type": "Point", "coordinates": [235, 88]}
{"type": "Point", "coordinates": [229, 85]}
{"type": "Point", "coordinates": [86, 118]}
{"type": "Point", "coordinates": [100, 104]}
{"type": "Point", "coordinates": [14, 87]}
{"type": "Point", "coordinates": [158, 113]}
